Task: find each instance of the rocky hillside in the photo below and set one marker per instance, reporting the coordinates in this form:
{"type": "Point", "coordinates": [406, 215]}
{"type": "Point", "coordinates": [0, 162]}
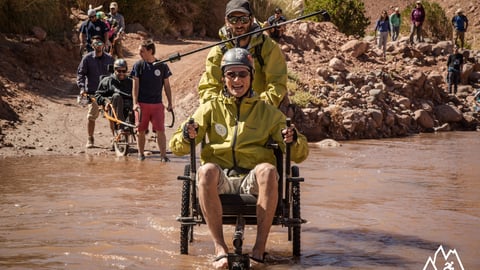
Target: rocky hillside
{"type": "Point", "coordinates": [358, 94]}
{"type": "Point", "coordinates": [355, 92]}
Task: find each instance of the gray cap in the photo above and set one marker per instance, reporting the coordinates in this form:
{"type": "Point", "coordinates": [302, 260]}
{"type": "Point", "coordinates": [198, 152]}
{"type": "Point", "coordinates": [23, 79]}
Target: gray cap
{"type": "Point", "coordinates": [238, 6]}
{"type": "Point", "coordinates": [91, 12]}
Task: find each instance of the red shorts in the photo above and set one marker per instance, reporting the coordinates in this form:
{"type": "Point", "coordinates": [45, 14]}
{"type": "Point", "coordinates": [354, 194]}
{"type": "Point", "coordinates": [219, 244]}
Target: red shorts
{"type": "Point", "coordinates": [154, 113]}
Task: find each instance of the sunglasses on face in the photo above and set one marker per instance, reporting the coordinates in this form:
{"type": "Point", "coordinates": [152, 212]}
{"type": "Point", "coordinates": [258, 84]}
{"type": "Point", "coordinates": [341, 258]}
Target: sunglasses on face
{"type": "Point", "coordinates": [91, 17]}
{"type": "Point", "coordinates": [97, 43]}
{"type": "Point", "coordinates": [121, 70]}
{"type": "Point", "coordinates": [235, 19]}
{"type": "Point", "coordinates": [234, 74]}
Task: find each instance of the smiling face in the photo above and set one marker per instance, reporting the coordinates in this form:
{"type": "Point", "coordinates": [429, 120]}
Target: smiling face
{"type": "Point", "coordinates": [238, 22]}
{"type": "Point", "coordinates": [237, 79]}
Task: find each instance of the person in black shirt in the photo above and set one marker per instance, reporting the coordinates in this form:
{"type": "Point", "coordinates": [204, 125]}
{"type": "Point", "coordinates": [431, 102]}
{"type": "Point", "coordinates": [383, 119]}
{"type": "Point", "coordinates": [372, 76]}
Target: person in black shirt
{"type": "Point", "coordinates": [454, 64]}
{"type": "Point", "coordinates": [276, 32]}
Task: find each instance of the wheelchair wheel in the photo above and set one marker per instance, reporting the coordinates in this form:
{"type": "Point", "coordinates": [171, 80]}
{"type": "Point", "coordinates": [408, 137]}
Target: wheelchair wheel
{"type": "Point", "coordinates": [296, 229]}
{"type": "Point", "coordinates": [121, 144]}
{"type": "Point", "coordinates": [185, 229]}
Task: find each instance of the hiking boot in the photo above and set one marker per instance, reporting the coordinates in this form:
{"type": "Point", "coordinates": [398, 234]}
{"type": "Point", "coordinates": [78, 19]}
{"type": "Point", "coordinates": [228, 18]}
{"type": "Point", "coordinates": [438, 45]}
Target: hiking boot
{"type": "Point", "coordinates": [164, 159]}
{"type": "Point", "coordinates": [89, 142]}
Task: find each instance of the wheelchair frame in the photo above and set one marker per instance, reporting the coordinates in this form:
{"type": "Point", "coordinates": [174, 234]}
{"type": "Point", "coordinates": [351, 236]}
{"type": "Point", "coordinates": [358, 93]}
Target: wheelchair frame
{"type": "Point", "coordinates": [122, 137]}
{"type": "Point", "coordinates": [240, 209]}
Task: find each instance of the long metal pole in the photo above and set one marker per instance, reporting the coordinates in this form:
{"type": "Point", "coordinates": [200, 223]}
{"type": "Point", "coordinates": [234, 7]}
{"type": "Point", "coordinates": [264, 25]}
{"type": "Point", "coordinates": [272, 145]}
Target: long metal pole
{"type": "Point", "coordinates": [177, 56]}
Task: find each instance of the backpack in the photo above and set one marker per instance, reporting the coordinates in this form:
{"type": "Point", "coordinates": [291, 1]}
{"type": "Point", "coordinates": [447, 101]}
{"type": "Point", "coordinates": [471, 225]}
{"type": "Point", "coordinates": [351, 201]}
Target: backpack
{"type": "Point", "coordinates": [257, 54]}
{"type": "Point", "coordinates": [459, 22]}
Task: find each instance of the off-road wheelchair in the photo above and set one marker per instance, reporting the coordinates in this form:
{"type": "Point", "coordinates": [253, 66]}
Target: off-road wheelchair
{"type": "Point", "coordinates": [124, 132]}
{"type": "Point", "coordinates": [240, 209]}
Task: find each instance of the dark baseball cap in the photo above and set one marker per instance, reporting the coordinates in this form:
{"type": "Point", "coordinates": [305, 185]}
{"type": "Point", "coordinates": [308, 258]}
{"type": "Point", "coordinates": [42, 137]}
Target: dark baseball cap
{"type": "Point", "coordinates": [238, 6]}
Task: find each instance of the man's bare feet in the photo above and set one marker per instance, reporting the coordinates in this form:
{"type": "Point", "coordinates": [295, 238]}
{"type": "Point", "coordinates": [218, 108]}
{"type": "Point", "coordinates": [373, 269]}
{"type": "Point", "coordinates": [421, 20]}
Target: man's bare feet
{"type": "Point", "coordinates": [221, 262]}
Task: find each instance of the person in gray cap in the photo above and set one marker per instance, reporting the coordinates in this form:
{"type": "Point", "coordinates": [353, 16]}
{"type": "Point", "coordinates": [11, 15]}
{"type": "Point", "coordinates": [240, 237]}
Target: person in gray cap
{"type": "Point", "coordinates": [92, 27]}
{"type": "Point", "coordinates": [460, 25]}
{"type": "Point", "coordinates": [270, 80]}
{"type": "Point", "coordinates": [249, 166]}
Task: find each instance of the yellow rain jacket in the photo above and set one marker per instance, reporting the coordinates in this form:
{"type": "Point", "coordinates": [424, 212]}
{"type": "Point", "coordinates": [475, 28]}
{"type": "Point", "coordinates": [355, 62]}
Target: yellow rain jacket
{"type": "Point", "coordinates": [237, 134]}
{"type": "Point", "coordinates": [270, 80]}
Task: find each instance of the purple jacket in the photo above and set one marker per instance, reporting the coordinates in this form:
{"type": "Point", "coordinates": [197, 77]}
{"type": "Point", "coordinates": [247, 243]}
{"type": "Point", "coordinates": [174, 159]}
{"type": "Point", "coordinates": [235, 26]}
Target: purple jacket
{"type": "Point", "coordinates": [418, 15]}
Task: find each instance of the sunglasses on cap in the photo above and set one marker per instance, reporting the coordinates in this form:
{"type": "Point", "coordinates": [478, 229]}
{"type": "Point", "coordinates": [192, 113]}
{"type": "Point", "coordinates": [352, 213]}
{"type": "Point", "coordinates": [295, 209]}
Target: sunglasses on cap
{"type": "Point", "coordinates": [234, 74]}
{"type": "Point", "coordinates": [121, 70]}
{"type": "Point", "coordinates": [235, 19]}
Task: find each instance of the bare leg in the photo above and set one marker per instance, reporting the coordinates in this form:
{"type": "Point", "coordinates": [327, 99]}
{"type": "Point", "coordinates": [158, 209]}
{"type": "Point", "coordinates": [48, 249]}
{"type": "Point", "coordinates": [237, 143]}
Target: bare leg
{"type": "Point", "coordinates": [208, 177]}
{"type": "Point", "coordinates": [162, 143]}
{"type": "Point", "coordinates": [141, 142]}
{"type": "Point", "coordinates": [266, 175]}
{"type": "Point", "coordinates": [90, 127]}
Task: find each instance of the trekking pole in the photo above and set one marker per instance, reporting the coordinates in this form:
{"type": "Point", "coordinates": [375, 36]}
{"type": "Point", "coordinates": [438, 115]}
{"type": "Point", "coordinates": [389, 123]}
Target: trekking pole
{"type": "Point", "coordinates": [287, 153]}
{"type": "Point", "coordinates": [177, 56]}
{"type": "Point", "coordinates": [193, 167]}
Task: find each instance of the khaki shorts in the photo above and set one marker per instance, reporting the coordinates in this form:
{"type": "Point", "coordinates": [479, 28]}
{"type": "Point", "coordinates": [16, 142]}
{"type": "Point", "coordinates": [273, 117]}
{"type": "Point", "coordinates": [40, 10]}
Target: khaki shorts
{"type": "Point", "coordinates": [242, 184]}
{"type": "Point", "coordinates": [93, 111]}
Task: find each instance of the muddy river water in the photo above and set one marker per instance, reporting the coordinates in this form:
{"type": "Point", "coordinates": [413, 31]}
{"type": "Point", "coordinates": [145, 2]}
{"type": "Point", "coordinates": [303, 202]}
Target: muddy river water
{"type": "Point", "coordinates": [370, 204]}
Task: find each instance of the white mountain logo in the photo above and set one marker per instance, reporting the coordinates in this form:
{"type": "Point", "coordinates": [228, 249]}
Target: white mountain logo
{"type": "Point", "coordinates": [451, 261]}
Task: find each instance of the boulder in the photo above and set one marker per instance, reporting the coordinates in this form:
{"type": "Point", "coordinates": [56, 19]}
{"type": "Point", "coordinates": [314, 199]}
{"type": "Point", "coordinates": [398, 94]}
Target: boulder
{"type": "Point", "coordinates": [423, 119]}
{"type": "Point", "coordinates": [355, 47]}
{"type": "Point", "coordinates": [39, 33]}
{"type": "Point", "coordinates": [447, 114]}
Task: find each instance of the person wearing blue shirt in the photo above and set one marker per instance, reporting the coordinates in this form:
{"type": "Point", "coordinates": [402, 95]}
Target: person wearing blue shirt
{"type": "Point", "coordinates": [148, 81]}
{"type": "Point", "coordinates": [93, 27]}
{"type": "Point", "coordinates": [460, 24]}
{"type": "Point", "coordinates": [383, 29]}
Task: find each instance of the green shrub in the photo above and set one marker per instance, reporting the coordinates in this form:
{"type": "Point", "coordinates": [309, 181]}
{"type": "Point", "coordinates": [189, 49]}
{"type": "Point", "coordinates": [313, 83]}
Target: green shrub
{"type": "Point", "coordinates": [347, 15]}
{"type": "Point", "coordinates": [19, 16]}
{"type": "Point", "coordinates": [436, 25]}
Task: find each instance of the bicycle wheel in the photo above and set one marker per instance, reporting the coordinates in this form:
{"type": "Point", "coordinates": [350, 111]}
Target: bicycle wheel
{"type": "Point", "coordinates": [121, 144]}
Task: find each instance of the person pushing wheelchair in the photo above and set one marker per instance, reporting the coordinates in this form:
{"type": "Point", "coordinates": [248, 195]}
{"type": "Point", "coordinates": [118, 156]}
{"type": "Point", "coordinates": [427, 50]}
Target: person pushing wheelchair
{"type": "Point", "coordinates": [235, 157]}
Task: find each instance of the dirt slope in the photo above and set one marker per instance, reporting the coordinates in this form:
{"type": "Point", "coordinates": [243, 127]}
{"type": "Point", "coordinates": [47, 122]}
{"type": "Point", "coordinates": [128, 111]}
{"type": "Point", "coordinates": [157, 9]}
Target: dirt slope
{"type": "Point", "coordinates": [44, 117]}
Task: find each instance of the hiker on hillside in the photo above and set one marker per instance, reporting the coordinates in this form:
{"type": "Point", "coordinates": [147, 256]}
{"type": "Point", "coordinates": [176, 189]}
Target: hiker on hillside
{"type": "Point", "coordinates": [92, 27]}
{"type": "Point", "coordinates": [460, 25]}
{"type": "Point", "coordinates": [93, 65]}
{"type": "Point", "coordinates": [395, 22]}
{"type": "Point", "coordinates": [454, 64]}
{"type": "Point", "coordinates": [118, 23]}
{"type": "Point", "coordinates": [276, 32]}
{"type": "Point", "coordinates": [149, 81]}
{"type": "Point", "coordinates": [383, 28]}
{"type": "Point", "coordinates": [270, 80]}
{"type": "Point", "coordinates": [417, 17]}
{"type": "Point", "coordinates": [249, 166]}
{"type": "Point", "coordinates": [104, 18]}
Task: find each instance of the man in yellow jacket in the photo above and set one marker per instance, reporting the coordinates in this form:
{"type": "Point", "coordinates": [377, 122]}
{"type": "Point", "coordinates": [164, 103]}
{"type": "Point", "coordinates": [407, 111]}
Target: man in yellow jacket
{"type": "Point", "coordinates": [270, 81]}
{"type": "Point", "coordinates": [235, 159]}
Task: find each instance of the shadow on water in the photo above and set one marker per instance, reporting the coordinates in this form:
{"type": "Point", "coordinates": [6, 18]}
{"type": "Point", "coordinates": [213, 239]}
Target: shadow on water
{"type": "Point", "coordinates": [362, 248]}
